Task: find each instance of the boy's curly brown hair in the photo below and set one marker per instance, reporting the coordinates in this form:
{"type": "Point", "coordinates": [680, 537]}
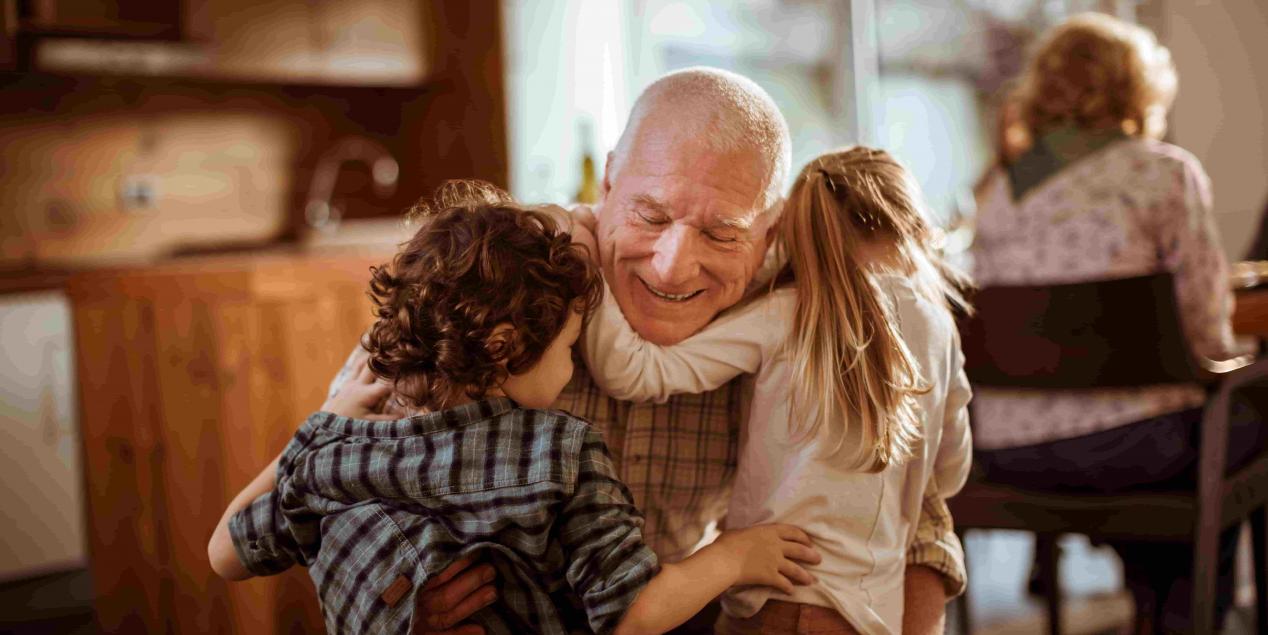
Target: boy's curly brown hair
{"type": "Point", "coordinates": [477, 261]}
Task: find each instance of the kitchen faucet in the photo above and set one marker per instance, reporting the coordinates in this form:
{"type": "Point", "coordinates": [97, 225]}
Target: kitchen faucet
{"type": "Point", "coordinates": [320, 212]}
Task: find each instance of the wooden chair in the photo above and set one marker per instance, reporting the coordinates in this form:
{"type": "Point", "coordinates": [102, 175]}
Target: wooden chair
{"type": "Point", "coordinates": [1114, 333]}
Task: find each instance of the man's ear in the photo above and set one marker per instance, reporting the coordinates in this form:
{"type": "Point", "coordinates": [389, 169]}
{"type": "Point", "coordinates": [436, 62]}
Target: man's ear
{"type": "Point", "coordinates": [776, 213]}
{"type": "Point", "coordinates": [607, 175]}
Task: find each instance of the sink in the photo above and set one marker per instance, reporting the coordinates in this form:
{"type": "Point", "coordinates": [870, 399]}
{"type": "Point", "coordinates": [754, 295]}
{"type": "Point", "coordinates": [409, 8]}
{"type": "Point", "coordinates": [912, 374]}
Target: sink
{"type": "Point", "coordinates": [371, 233]}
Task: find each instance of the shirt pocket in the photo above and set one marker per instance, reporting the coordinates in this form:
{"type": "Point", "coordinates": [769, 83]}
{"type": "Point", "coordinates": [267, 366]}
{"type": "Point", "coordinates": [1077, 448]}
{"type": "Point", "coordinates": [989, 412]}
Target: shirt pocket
{"type": "Point", "coordinates": [366, 572]}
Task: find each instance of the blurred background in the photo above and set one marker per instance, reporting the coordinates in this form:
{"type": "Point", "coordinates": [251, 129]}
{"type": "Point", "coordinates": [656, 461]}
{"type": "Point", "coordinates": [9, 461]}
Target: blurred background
{"type": "Point", "coordinates": [191, 192]}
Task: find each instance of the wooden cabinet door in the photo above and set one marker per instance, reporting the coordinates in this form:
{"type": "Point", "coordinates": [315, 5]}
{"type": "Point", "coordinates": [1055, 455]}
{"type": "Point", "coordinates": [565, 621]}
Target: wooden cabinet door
{"type": "Point", "coordinates": [190, 382]}
{"type": "Point", "coordinates": [374, 42]}
{"type": "Point", "coordinates": [8, 35]}
{"type": "Point", "coordinates": [143, 19]}
{"type": "Point", "coordinates": [354, 42]}
{"type": "Point", "coordinates": [254, 40]}
{"type": "Point", "coordinates": [126, 544]}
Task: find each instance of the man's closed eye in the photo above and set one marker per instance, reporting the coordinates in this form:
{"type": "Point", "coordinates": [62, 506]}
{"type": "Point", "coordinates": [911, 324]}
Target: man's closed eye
{"type": "Point", "coordinates": [721, 237]}
{"type": "Point", "coordinates": [653, 219]}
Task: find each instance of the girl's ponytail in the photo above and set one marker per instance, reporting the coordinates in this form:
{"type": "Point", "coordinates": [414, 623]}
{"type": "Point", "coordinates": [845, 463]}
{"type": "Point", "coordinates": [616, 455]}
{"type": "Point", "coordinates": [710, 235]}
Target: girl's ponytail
{"type": "Point", "coordinates": [852, 371]}
{"type": "Point", "coordinates": [852, 216]}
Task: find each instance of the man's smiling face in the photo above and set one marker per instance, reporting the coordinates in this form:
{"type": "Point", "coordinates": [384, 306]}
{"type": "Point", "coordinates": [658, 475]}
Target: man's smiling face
{"type": "Point", "coordinates": [681, 232]}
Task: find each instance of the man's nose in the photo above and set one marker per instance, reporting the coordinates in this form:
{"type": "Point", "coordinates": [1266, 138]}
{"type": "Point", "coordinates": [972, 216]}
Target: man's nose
{"type": "Point", "coordinates": [676, 261]}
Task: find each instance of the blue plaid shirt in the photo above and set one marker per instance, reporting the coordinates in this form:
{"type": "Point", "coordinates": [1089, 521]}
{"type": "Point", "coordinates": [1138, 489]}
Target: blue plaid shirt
{"type": "Point", "coordinates": [375, 508]}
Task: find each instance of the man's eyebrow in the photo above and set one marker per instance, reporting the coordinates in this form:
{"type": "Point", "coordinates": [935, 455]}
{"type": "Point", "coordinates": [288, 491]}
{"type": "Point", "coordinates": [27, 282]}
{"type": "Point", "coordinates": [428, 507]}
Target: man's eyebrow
{"type": "Point", "coordinates": [651, 204]}
{"type": "Point", "coordinates": [732, 222]}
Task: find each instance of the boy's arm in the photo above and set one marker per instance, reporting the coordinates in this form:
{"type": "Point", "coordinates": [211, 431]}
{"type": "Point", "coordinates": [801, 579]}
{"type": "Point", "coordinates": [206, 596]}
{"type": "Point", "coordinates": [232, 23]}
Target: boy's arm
{"type": "Point", "coordinates": [628, 367]}
{"type": "Point", "coordinates": [360, 396]}
{"type": "Point", "coordinates": [220, 551]}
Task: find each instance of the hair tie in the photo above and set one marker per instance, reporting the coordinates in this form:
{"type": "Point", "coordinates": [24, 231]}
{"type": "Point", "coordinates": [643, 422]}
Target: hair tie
{"type": "Point", "coordinates": [824, 175]}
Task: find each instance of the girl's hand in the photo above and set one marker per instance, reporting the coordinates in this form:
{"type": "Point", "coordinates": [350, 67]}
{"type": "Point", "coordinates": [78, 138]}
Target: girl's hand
{"type": "Point", "coordinates": [362, 396]}
{"type": "Point", "coordinates": [584, 228]}
{"type": "Point", "coordinates": [770, 555]}
{"type": "Point", "coordinates": [579, 222]}
{"type": "Point", "coordinates": [583, 236]}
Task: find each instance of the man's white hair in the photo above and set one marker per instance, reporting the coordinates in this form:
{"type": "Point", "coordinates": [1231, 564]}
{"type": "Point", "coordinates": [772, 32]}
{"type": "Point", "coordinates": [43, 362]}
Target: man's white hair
{"type": "Point", "coordinates": [726, 112]}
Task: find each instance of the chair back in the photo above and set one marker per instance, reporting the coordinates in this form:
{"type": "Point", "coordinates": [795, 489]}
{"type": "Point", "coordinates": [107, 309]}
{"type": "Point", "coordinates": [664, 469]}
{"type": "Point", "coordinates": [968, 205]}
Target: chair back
{"type": "Point", "coordinates": [1110, 333]}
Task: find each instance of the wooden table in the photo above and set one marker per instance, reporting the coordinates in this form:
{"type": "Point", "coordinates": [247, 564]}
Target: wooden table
{"type": "Point", "coordinates": [1250, 311]}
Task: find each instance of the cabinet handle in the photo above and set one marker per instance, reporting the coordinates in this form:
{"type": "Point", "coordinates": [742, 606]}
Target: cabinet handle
{"type": "Point", "coordinates": [48, 403]}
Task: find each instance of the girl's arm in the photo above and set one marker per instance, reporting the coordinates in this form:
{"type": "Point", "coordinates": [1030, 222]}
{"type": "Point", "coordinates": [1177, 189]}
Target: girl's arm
{"type": "Point", "coordinates": [615, 574]}
{"type": "Point", "coordinates": [763, 554]}
{"type": "Point", "coordinates": [955, 448]}
{"type": "Point", "coordinates": [628, 367]}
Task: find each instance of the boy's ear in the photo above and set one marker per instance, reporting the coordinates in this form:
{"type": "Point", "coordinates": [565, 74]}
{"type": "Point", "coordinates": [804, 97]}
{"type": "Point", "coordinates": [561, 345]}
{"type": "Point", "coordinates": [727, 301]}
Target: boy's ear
{"type": "Point", "coordinates": [501, 342]}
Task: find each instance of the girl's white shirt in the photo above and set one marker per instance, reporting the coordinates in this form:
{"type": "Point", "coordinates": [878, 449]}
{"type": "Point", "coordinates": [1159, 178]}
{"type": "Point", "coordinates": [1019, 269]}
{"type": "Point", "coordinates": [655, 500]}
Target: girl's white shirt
{"type": "Point", "coordinates": [862, 524]}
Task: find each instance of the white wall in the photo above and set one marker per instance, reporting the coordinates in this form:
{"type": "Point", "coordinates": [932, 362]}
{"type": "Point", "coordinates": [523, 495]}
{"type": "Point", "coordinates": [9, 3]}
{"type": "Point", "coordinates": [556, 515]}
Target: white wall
{"type": "Point", "coordinates": [566, 64]}
{"type": "Point", "coordinates": [1221, 55]}
{"type": "Point", "coordinates": [574, 61]}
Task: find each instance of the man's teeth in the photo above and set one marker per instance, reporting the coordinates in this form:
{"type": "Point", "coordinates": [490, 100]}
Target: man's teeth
{"type": "Point", "coordinates": [675, 297]}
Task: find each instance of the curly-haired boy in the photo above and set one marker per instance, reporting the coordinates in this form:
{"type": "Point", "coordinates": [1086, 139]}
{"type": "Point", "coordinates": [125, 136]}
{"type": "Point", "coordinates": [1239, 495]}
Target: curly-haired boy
{"type": "Point", "coordinates": [477, 315]}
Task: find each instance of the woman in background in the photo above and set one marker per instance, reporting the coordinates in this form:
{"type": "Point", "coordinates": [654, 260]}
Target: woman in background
{"type": "Point", "coordinates": [1097, 196]}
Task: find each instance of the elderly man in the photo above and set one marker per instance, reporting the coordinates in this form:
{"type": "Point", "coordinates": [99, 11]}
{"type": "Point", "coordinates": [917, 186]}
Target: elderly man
{"type": "Point", "coordinates": [690, 196]}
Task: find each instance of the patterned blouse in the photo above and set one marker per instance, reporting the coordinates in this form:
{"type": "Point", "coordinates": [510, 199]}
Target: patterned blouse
{"type": "Point", "coordinates": [1134, 207]}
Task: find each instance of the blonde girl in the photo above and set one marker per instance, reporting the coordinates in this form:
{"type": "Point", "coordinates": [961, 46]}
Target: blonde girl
{"type": "Point", "coordinates": [859, 397]}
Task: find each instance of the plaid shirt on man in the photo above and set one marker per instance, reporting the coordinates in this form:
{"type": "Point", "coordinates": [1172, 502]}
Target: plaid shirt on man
{"type": "Point", "coordinates": [375, 508]}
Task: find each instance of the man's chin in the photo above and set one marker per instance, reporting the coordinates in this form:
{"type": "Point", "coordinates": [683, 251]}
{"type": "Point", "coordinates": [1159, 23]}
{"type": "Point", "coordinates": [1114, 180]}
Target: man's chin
{"type": "Point", "coordinates": [663, 332]}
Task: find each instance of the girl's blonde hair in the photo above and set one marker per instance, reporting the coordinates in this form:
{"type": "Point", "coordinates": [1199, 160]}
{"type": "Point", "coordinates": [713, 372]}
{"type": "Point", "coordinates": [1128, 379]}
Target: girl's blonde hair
{"type": "Point", "coordinates": [1096, 71]}
{"type": "Point", "coordinates": [851, 369]}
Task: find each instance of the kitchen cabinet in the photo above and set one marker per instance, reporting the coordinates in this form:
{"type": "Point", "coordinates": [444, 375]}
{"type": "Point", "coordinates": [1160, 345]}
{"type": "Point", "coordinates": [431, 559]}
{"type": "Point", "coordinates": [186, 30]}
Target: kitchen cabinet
{"type": "Point", "coordinates": [101, 18]}
{"type": "Point", "coordinates": [369, 41]}
{"type": "Point", "coordinates": [192, 377]}
{"type": "Point", "coordinates": [316, 42]}
{"type": "Point", "coordinates": [8, 35]}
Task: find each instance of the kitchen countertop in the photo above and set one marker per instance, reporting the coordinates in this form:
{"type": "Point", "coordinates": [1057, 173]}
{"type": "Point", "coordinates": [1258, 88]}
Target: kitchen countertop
{"type": "Point", "coordinates": [51, 278]}
{"type": "Point", "coordinates": [369, 241]}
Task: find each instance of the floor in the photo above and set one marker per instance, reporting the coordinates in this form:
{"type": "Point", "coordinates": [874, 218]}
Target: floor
{"type": "Point", "coordinates": [1091, 578]}
{"type": "Point", "coordinates": [55, 604]}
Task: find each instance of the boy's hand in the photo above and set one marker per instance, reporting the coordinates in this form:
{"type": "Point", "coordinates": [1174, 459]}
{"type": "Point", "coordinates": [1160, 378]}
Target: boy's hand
{"type": "Point", "coordinates": [362, 396]}
{"type": "Point", "coordinates": [769, 555]}
{"type": "Point", "coordinates": [452, 596]}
